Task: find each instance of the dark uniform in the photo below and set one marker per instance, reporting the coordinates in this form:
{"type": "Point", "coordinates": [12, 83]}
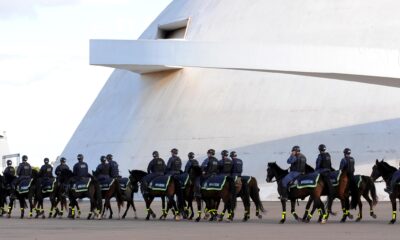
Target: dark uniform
{"type": "Point", "coordinates": [155, 168]}
{"type": "Point", "coordinates": [297, 163]}
{"type": "Point", "coordinates": [225, 166]}
{"type": "Point", "coordinates": [237, 165]}
{"type": "Point", "coordinates": [9, 174]}
{"type": "Point", "coordinates": [103, 169]}
{"type": "Point", "coordinates": [174, 165]}
{"type": "Point", "coordinates": [46, 171]}
{"type": "Point", "coordinates": [192, 162]}
{"type": "Point", "coordinates": [24, 170]}
{"type": "Point", "coordinates": [60, 168]}
{"type": "Point", "coordinates": [324, 167]}
{"type": "Point", "coordinates": [347, 164]}
{"type": "Point", "coordinates": [210, 165]}
{"type": "Point", "coordinates": [81, 169]}
{"type": "Point", "coordinates": [114, 168]}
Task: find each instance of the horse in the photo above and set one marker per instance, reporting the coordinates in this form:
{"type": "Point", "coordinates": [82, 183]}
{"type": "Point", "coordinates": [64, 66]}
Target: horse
{"type": "Point", "coordinates": [3, 195]}
{"type": "Point", "coordinates": [92, 191]}
{"type": "Point", "coordinates": [171, 188]}
{"type": "Point", "coordinates": [53, 192]}
{"type": "Point", "coordinates": [341, 191]}
{"type": "Point", "coordinates": [110, 191]}
{"type": "Point", "coordinates": [384, 170]}
{"type": "Point", "coordinates": [22, 195]}
{"type": "Point", "coordinates": [127, 194]}
{"type": "Point", "coordinates": [274, 171]}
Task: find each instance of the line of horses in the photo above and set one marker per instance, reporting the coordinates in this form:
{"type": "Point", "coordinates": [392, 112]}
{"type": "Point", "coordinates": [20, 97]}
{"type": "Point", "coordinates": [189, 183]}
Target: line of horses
{"type": "Point", "coordinates": [180, 195]}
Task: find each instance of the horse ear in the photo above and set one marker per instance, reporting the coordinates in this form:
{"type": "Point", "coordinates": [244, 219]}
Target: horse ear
{"type": "Point", "coordinates": [130, 171]}
{"type": "Point", "coordinates": [377, 161]}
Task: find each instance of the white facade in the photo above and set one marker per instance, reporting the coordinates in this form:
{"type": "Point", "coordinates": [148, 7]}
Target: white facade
{"type": "Point", "coordinates": [4, 149]}
{"type": "Point", "coordinates": [268, 75]}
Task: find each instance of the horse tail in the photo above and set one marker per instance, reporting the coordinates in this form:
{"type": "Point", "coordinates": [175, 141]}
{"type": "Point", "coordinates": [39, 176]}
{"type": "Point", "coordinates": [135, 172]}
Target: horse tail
{"type": "Point", "coordinates": [371, 187]}
{"type": "Point", "coordinates": [255, 194]}
{"type": "Point", "coordinates": [97, 193]}
{"type": "Point", "coordinates": [355, 195]}
{"type": "Point", "coordinates": [178, 192]}
{"type": "Point", "coordinates": [118, 194]}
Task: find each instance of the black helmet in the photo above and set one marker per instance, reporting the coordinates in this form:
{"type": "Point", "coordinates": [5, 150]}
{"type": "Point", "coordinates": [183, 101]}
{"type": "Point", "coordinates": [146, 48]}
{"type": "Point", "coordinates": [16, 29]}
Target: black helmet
{"type": "Point", "coordinates": [79, 157]}
{"type": "Point", "coordinates": [103, 158]}
{"type": "Point", "coordinates": [211, 151]}
{"type": "Point", "coordinates": [24, 158]}
{"type": "Point", "coordinates": [174, 151]}
{"type": "Point", "coordinates": [322, 147]}
{"type": "Point", "coordinates": [9, 162]}
{"type": "Point", "coordinates": [63, 160]}
{"type": "Point", "coordinates": [224, 153]}
{"type": "Point", "coordinates": [296, 149]}
{"type": "Point", "coordinates": [191, 155]}
{"type": "Point", "coordinates": [109, 157]}
{"type": "Point", "coordinates": [347, 151]}
{"type": "Point", "coordinates": [155, 154]}
{"type": "Point", "coordinates": [233, 154]}
{"type": "Point", "coordinates": [46, 160]}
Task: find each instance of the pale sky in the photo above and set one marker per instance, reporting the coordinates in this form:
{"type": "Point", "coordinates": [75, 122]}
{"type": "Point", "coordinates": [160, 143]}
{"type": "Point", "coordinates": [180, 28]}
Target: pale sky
{"type": "Point", "coordinates": [46, 82]}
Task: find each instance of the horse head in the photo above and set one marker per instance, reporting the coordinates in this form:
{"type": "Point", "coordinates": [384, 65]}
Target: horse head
{"type": "Point", "coordinates": [136, 176]}
{"type": "Point", "coordinates": [382, 169]}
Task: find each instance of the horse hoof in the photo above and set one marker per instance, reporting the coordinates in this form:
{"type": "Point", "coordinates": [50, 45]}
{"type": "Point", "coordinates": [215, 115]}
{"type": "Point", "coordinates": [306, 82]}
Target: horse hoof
{"type": "Point", "coordinates": [228, 220]}
{"type": "Point", "coordinates": [110, 217]}
{"type": "Point", "coordinates": [392, 221]}
{"type": "Point", "coordinates": [343, 220]}
{"type": "Point", "coordinates": [323, 221]}
{"type": "Point", "coordinates": [350, 216]}
{"type": "Point", "coordinates": [358, 219]}
{"type": "Point", "coordinates": [43, 217]}
{"type": "Point", "coordinates": [282, 221]}
{"type": "Point", "coordinates": [177, 218]}
{"type": "Point", "coordinates": [153, 215]}
{"type": "Point", "coordinates": [9, 216]}
{"type": "Point", "coordinates": [373, 215]}
{"type": "Point", "coordinates": [259, 216]}
{"type": "Point", "coordinates": [197, 219]}
{"type": "Point", "coordinates": [136, 217]}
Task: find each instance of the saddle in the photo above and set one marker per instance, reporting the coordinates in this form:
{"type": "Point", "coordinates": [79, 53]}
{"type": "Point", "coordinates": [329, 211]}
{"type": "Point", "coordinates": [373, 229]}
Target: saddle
{"type": "Point", "coordinates": [358, 180]}
{"type": "Point", "coordinates": [24, 185]}
{"type": "Point", "coordinates": [246, 179]}
{"type": "Point", "coordinates": [82, 185]}
{"type": "Point", "coordinates": [48, 185]}
{"type": "Point", "coordinates": [160, 183]}
{"type": "Point", "coordinates": [183, 179]}
{"type": "Point", "coordinates": [306, 181]}
{"type": "Point", "coordinates": [334, 177]}
{"type": "Point", "coordinates": [123, 183]}
{"type": "Point", "coordinates": [216, 182]}
{"type": "Point", "coordinates": [105, 183]}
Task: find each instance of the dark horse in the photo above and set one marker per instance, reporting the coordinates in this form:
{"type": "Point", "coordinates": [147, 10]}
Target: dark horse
{"type": "Point", "coordinates": [3, 195]}
{"type": "Point", "coordinates": [55, 196]}
{"type": "Point", "coordinates": [29, 194]}
{"type": "Point", "coordinates": [341, 191]}
{"type": "Point", "coordinates": [384, 170]}
{"type": "Point", "coordinates": [127, 195]}
{"type": "Point", "coordinates": [274, 171]}
{"type": "Point", "coordinates": [93, 192]}
{"type": "Point", "coordinates": [136, 177]}
{"type": "Point", "coordinates": [112, 191]}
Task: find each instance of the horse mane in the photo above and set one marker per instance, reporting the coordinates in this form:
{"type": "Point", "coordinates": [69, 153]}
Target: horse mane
{"type": "Point", "coordinates": [196, 170]}
{"type": "Point", "coordinates": [388, 167]}
{"type": "Point", "coordinates": [139, 173]}
{"type": "Point", "coordinates": [277, 167]}
{"type": "Point", "coordinates": [35, 173]}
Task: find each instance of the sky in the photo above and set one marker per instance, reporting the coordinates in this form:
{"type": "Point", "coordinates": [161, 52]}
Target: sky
{"type": "Point", "coordinates": [46, 82]}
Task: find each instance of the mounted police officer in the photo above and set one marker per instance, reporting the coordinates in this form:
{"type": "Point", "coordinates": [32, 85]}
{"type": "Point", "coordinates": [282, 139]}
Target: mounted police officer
{"type": "Point", "coordinates": [297, 163]}
{"type": "Point", "coordinates": [192, 162]}
{"type": "Point", "coordinates": [103, 169]}
{"type": "Point", "coordinates": [114, 168]}
{"type": "Point", "coordinates": [80, 169]}
{"type": "Point", "coordinates": [237, 165]}
{"type": "Point", "coordinates": [46, 171]}
{"type": "Point", "coordinates": [324, 167]}
{"type": "Point", "coordinates": [155, 168]}
{"type": "Point", "coordinates": [174, 163]}
{"type": "Point", "coordinates": [225, 164]}
{"type": "Point", "coordinates": [347, 163]}
{"type": "Point", "coordinates": [24, 171]}
{"type": "Point", "coordinates": [61, 167]}
{"type": "Point", "coordinates": [209, 166]}
{"type": "Point", "coordinates": [9, 175]}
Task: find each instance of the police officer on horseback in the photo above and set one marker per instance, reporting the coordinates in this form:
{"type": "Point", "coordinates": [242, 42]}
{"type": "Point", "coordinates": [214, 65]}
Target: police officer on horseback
{"type": "Point", "coordinates": [324, 167]}
{"type": "Point", "coordinates": [46, 171]}
{"type": "Point", "coordinates": [225, 164]}
{"type": "Point", "coordinates": [114, 168]}
{"type": "Point", "coordinates": [347, 163]}
{"type": "Point", "coordinates": [103, 169]}
{"type": "Point", "coordinates": [80, 169]}
{"type": "Point", "coordinates": [174, 163]}
{"type": "Point", "coordinates": [24, 171]}
{"type": "Point", "coordinates": [237, 165]}
{"type": "Point", "coordinates": [297, 163]}
{"type": "Point", "coordinates": [61, 167]}
{"type": "Point", "coordinates": [209, 166]}
{"type": "Point", "coordinates": [155, 168]}
{"type": "Point", "coordinates": [9, 175]}
{"type": "Point", "coordinates": [192, 162]}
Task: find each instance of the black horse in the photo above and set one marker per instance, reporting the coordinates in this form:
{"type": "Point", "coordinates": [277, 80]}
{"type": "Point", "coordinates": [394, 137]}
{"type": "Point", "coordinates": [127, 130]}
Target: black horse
{"type": "Point", "coordinates": [274, 171]}
{"type": "Point", "coordinates": [92, 192]}
{"type": "Point", "coordinates": [384, 170]}
{"type": "Point", "coordinates": [127, 194]}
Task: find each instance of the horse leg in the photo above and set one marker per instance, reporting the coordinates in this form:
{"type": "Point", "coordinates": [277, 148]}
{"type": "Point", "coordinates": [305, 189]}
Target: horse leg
{"type": "Point", "coordinates": [198, 201]}
{"type": "Point", "coordinates": [10, 207]}
{"type": "Point", "coordinates": [344, 202]}
{"type": "Point", "coordinates": [128, 204]}
{"type": "Point", "coordinates": [134, 209]}
{"type": "Point", "coordinates": [394, 208]}
{"type": "Point", "coordinates": [109, 207]}
{"type": "Point", "coordinates": [307, 216]}
{"type": "Point", "coordinates": [22, 206]}
{"type": "Point", "coordinates": [222, 214]}
{"type": "Point", "coordinates": [293, 209]}
{"type": "Point", "coordinates": [164, 210]}
{"type": "Point", "coordinates": [174, 207]}
{"type": "Point", "coordinates": [323, 214]}
{"type": "Point", "coordinates": [283, 212]}
{"type": "Point", "coordinates": [246, 204]}
{"type": "Point", "coordinates": [371, 205]}
{"type": "Point", "coordinates": [360, 205]}
{"type": "Point", "coordinates": [103, 212]}
{"type": "Point", "coordinates": [78, 209]}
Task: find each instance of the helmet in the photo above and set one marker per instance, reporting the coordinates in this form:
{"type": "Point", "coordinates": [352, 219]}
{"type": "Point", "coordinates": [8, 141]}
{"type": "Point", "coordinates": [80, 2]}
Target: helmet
{"type": "Point", "coordinates": [296, 149]}
{"type": "Point", "coordinates": [155, 154]}
{"type": "Point", "coordinates": [103, 158]}
{"type": "Point", "coordinates": [109, 157]}
{"type": "Point", "coordinates": [24, 158]}
{"type": "Point", "coordinates": [63, 160]}
{"type": "Point", "coordinates": [233, 154]}
{"type": "Point", "coordinates": [211, 151]}
{"type": "Point", "coordinates": [9, 162]}
{"type": "Point", "coordinates": [191, 155]}
{"type": "Point", "coordinates": [79, 157]}
{"type": "Point", "coordinates": [174, 151]}
{"type": "Point", "coordinates": [347, 151]}
{"type": "Point", "coordinates": [322, 147]}
{"type": "Point", "coordinates": [46, 160]}
{"type": "Point", "coordinates": [224, 153]}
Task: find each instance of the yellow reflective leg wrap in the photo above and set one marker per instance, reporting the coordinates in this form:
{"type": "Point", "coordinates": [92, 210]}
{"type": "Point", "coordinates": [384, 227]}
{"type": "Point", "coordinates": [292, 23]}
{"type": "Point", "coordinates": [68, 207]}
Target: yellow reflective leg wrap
{"type": "Point", "coordinates": [283, 215]}
{"type": "Point", "coordinates": [309, 215]}
{"type": "Point", "coordinates": [22, 209]}
{"type": "Point", "coordinates": [394, 215]}
{"type": "Point", "coordinates": [147, 209]}
{"type": "Point", "coordinates": [198, 213]}
{"type": "Point", "coordinates": [229, 214]}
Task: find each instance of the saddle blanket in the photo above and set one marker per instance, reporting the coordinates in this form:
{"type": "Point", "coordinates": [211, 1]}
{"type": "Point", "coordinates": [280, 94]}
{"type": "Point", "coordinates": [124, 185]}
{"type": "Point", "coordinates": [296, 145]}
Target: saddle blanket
{"type": "Point", "coordinates": [82, 185]}
{"type": "Point", "coordinates": [358, 180]}
{"type": "Point", "coordinates": [183, 179]}
{"type": "Point", "coordinates": [123, 183]}
{"type": "Point", "coordinates": [396, 176]}
{"type": "Point", "coordinates": [105, 183]}
{"type": "Point", "coordinates": [48, 185]}
{"type": "Point", "coordinates": [24, 185]}
{"type": "Point", "coordinates": [334, 177]}
{"type": "Point", "coordinates": [160, 183]}
{"type": "Point", "coordinates": [214, 183]}
{"type": "Point", "coordinates": [306, 181]}
{"type": "Point", "coordinates": [246, 179]}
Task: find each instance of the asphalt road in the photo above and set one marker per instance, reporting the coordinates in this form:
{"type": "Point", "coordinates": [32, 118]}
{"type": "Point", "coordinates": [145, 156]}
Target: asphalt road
{"type": "Point", "coordinates": [265, 228]}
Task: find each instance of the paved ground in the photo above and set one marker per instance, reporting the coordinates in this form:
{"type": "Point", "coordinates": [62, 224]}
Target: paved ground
{"type": "Point", "coordinates": [266, 228]}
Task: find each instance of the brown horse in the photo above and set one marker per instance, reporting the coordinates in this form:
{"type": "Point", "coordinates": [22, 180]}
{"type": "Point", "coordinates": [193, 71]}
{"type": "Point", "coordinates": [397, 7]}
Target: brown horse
{"type": "Point", "coordinates": [127, 195]}
{"type": "Point", "coordinates": [274, 171]}
{"type": "Point", "coordinates": [54, 195]}
{"type": "Point", "coordinates": [136, 176]}
{"type": "Point", "coordinates": [384, 170]}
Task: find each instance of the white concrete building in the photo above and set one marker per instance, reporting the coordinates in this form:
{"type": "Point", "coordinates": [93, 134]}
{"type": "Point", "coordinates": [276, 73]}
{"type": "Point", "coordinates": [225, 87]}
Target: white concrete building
{"type": "Point", "coordinates": [254, 76]}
